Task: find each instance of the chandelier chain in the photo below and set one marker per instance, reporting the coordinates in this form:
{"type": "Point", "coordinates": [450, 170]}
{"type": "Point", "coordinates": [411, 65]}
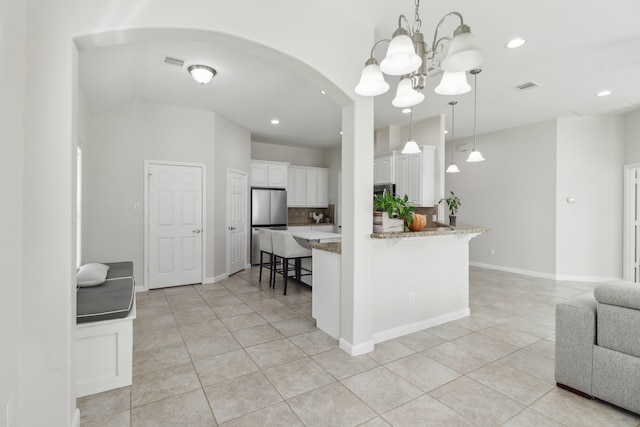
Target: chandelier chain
{"type": "Point", "coordinates": [417, 21]}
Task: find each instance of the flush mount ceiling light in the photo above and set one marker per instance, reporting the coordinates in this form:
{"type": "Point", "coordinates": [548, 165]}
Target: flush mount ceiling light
{"type": "Point", "coordinates": [201, 73]}
{"type": "Point", "coordinates": [453, 168]}
{"type": "Point", "coordinates": [604, 93]}
{"type": "Point", "coordinates": [475, 155]}
{"type": "Point", "coordinates": [411, 58]}
{"type": "Point", "coordinates": [275, 122]}
{"type": "Point", "coordinates": [515, 43]}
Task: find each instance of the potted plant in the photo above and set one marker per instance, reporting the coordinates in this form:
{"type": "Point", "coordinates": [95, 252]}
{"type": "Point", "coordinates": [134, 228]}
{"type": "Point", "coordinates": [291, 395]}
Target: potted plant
{"type": "Point", "coordinates": [453, 203]}
{"type": "Point", "coordinates": [391, 213]}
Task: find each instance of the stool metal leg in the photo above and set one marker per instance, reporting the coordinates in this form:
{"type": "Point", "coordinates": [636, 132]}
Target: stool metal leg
{"type": "Point", "coordinates": [285, 270]}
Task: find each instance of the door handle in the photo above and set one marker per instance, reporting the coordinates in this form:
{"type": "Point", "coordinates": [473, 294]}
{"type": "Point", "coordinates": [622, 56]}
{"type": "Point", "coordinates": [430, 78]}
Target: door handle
{"type": "Point", "coordinates": [197, 231]}
{"type": "Point", "coordinates": [232, 228]}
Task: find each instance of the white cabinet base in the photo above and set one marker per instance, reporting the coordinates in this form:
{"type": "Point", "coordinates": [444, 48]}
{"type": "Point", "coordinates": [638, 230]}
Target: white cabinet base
{"type": "Point", "coordinates": [104, 354]}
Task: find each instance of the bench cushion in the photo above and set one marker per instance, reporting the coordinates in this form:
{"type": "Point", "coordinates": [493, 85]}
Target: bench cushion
{"type": "Point", "coordinates": [111, 300]}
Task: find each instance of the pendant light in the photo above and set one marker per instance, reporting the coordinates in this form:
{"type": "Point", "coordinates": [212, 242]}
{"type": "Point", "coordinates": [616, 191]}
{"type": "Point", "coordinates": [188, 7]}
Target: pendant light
{"type": "Point", "coordinates": [453, 168]}
{"type": "Point", "coordinates": [475, 155]}
{"type": "Point", "coordinates": [411, 147]}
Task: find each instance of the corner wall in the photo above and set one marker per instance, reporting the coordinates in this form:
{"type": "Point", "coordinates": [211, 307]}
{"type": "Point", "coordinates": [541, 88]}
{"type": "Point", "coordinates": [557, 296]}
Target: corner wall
{"type": "Point", "coordinates": [12, 102]}
{"type": "Point", "coordinates": [632, 137]}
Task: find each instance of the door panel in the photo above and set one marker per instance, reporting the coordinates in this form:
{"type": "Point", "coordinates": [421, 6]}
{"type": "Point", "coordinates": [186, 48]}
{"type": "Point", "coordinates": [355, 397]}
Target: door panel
{"type": "Point", "coordinates": [237, 218]}
{"type": "Point", "coordinates": [175, 225]}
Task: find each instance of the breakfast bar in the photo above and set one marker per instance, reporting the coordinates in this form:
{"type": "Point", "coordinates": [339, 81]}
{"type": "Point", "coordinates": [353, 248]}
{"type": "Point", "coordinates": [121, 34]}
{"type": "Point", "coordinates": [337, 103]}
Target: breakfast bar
{"type": "Point", "coordinates": [420, 280]}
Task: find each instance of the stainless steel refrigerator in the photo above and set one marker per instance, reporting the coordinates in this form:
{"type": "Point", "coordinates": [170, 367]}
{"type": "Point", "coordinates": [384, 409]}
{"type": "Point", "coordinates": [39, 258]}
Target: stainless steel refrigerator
{"type": "Point", "coordinates": [268, 210]}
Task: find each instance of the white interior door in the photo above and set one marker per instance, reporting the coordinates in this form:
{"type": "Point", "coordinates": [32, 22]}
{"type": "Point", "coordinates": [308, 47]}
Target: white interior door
{"type": "Point", "coordinates": [631, 236]}
{"type": "Point", "coordinates": [237, 220]}
{"type": "Point", "coordinates": [175, 225]}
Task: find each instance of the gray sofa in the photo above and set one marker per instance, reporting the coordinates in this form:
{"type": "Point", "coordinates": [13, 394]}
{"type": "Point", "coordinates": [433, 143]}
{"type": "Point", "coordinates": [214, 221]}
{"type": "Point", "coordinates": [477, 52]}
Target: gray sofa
{"type": "Point", "coordinates": [598, 345]}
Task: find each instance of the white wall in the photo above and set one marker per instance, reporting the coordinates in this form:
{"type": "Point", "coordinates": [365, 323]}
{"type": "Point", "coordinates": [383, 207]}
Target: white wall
{"type": "Point", "coordinates": [632, 137]}
{"type": "Point", "coordinates": [590, 157]}
{"type": "Point", "coordinates": [48, 217]}
{"type": "Point", "coordinates": [122, 139]}
{"type": "Point", "coordinates": [12, 86]}
{"type": "Point", "coordinates": [232, 150]}
{"type": "Point", "coordinates": [298, 156]}
{"type": "Point", "coordinates": [513, 193]}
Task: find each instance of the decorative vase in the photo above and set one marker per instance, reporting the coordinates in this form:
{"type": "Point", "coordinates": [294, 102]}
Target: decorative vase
{"type": "Point", "coordinates": [452, 220]}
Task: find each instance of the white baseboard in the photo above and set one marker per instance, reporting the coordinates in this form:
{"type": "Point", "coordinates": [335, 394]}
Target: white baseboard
{"type": "Point", "coordinates": [248, 266]}
{"type": "Point", "coordinates": [544, 275]}
{"type": "Point", "coordinates": [76, 419]}
{"type": "Point", "coordinates": [220, 277]}
{"type": "Point", "coordinates": [418, 326]}
{"type": "Point", "coordinates": [355, 350]}
{"type": "Point", "coordinates": [208, 280]}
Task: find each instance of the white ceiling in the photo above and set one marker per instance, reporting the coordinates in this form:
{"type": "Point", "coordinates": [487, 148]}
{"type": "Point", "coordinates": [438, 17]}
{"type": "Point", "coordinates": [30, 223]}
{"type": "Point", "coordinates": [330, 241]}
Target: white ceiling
{"type": "Point", "coordinates": [574, 49]}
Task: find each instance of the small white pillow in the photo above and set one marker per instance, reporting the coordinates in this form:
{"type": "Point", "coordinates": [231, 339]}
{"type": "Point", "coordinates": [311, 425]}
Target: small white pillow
{"type": "Point", "coordinates": [93, 274]}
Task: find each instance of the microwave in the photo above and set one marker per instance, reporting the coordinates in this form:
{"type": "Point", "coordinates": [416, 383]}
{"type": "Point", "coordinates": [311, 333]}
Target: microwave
{"type": "Point", "coordinates": [381, 188]}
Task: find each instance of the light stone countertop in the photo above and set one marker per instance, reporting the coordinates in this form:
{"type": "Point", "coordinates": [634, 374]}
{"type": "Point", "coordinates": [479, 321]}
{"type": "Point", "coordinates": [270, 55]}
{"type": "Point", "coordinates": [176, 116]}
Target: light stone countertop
{"type": "Point", "coordinates": [440, 230]}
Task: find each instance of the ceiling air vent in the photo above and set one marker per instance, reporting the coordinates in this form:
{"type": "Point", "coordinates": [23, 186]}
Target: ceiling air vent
{"type": "Point", "coordinates": [173, 61]}
{"type": "Point", "coordinates": [527, 86]}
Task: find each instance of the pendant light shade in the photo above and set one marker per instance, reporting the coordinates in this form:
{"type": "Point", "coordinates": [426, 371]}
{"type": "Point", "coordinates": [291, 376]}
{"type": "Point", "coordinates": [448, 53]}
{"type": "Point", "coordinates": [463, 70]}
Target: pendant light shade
{"type": "Point", "coordinates": [371, 80]}
{"type": "Point", "coordinates": [453, 84]}
{"type": "Point", "coordinates": [201, 73]}
{"type": "Point", "coordinates": [453, 168]}
{"type": "Point", "coordinates": [475, 155]}
{"type": "Point", "coordinates": [406, 95]}
{"type": "Point", "coordinates": [464, 53]}
{"type": "Point", "coordinates": [411, 147]}
{"type": "Point", "coordinates": [401, 55]}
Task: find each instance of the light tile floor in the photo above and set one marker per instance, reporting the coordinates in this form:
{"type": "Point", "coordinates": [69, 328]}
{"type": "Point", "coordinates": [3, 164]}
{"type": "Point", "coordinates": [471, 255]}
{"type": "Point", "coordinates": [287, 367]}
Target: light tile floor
{"type": "Point", "coordinates": [236, 353]}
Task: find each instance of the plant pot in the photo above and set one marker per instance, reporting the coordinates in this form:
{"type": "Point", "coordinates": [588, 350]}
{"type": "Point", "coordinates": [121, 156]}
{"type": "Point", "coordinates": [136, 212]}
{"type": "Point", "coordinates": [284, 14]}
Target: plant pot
{"type": "Point", "coordinates": [452, 220]}
{"type": "Point", "coordinates": [383, 224]}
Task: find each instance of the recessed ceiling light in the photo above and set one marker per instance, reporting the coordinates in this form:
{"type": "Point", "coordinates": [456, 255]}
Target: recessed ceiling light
{"type": "Point", "coordinates": [603, 93]}
{"type": "Point", "coordinates": [406, 110]}
{"type": "Point", "coordinates": [340, 132]}
{"type": "Point", "coordinates": [275, 122]}
{"type": "Point", "coordinates": [323, 92]}
{"type": "Point", "coordinates": [446, 131]}
{"type": "Point", "coordinates": [515, 43]}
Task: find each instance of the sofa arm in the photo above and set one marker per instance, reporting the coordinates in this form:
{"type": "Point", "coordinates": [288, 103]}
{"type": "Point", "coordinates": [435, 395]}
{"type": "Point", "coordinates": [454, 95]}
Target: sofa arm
{"type": "Point", "coordinates": [623, 294]}
{"type": "Point", "coordinates": [575, 337]}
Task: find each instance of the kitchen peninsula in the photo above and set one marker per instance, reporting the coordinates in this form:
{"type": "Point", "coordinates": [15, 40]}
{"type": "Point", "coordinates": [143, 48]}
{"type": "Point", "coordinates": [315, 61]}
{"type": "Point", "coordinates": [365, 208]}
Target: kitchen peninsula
{"type": "Point", "coordinates": [420, 280]}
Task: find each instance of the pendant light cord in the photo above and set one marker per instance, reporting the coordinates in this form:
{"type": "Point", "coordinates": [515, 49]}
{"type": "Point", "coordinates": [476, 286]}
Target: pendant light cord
{"type": "Point", "coordinates": [453, 121]}
{"type": "Point", "coordinates": [475, 103]}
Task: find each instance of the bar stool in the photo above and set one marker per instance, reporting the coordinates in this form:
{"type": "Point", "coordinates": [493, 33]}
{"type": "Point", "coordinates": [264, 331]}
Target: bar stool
{"type": "Point", "coordinates": [266, 247]}
{"type": "Point", "coordinates": [287, 248]}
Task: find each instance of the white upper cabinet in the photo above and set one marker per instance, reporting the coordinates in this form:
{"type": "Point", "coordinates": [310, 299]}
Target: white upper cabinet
{"type": "Point", "coordinates": [383, 168]}
{"type": "Point", "coordinates": [308, 187]}
{"type": "Point", "coordinates": [415, 176]}
{"type": "Point", "coordinates": [269, 174]}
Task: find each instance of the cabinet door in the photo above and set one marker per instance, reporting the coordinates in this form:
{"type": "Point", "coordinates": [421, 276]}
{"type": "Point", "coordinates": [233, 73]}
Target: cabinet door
{"type": "Point", "coordinates": [376, 171]}
{"type": "Point", "coordinates": [300, 187]}
{"type": "Point", "coordinates": [277, 176]}
{"type": "Point", "coordinates": [402, 174]}
{"type": "Point", "coordinates": [290, 186]}
{"type": "Point", "coordinates": [312, 187]}
{"type": "Point", "coordinates": [385, 170]}
{"type": "Point", "coordinates": [414, 179]}
{"type": "Point", "coordinates": [323, 188]}
{"type": "Point", "coordinates": [259, 175]}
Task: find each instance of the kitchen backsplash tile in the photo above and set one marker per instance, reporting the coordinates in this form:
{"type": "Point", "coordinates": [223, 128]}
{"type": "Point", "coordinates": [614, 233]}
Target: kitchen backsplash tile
{"type": "Point", "coordinates": [302, 216]}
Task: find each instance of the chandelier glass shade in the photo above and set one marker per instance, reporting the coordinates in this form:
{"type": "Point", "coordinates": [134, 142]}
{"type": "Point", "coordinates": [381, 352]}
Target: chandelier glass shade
{"type": "Point", "coordinates": [372, 81]}
{"type": "Point", "coordinates": [453, 84]}
{"type": "Point", "coordinates": [410, 57]}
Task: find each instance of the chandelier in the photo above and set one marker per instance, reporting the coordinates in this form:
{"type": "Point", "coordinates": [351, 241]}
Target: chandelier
{"type": "Point", "coordinates": [411, 58]}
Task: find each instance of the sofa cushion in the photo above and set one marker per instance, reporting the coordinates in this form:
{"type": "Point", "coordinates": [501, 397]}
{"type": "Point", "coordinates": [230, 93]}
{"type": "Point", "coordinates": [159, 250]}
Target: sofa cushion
{"type": "Point", "coordinates": [618, 328]}
{"type": "Point", "coordinates": [624, 294]}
